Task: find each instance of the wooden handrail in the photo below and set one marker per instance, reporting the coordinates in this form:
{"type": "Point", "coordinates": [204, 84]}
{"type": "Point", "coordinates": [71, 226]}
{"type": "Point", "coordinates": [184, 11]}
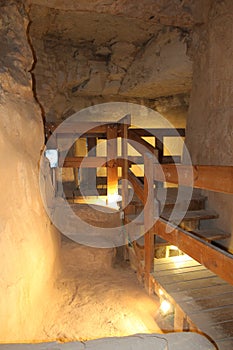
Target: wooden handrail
{"type": "Point", "coordinates": [159, 132]}
{"type": "Point", "coordinates": [206, 177]}
{"type": "Point", "coordinates": [90, 162]}
{"type": "Point", "coordinates": [215, 259]}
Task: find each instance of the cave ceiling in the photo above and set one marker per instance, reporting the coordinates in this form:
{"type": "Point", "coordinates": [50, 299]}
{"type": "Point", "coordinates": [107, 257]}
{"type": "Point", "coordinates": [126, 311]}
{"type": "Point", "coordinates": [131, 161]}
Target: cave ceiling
{"type": "Point", "coordinates": [111, 48]}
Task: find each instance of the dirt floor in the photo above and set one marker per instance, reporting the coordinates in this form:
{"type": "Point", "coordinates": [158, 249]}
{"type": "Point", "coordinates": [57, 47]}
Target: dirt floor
{"type": "Point", "coordinates": [95, 296]}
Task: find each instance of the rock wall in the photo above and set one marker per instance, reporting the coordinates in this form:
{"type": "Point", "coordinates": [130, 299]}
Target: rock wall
{"type": "Point", "coordinates": [210, 120]}
{"type": "Point", "coordinates": [161, 68]}
{"type": "Point", "coordinates": [28, 243]}
{"type": "Point", "coordinates": [87, 58]}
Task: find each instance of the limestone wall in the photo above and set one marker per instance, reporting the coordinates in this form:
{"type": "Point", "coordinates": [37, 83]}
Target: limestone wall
{"type": "Point", "coordinates": [210, 120]}
{"type": "Point", "coordinates": [28, 244]}
{"type": "Point", "coordinates": [88, 58]}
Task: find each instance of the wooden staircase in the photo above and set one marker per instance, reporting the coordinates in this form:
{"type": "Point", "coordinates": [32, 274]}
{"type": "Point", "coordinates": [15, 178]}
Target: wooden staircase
{"type": "Point", "coordinates": [192, 219]}
{"type": "Point", "coordinates": [184, 218]}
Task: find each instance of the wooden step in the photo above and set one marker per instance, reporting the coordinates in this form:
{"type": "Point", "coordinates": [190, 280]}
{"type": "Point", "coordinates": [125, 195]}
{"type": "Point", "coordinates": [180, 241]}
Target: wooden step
{"type": "Point", "coordinates": [192, 215]}
{"type": "Point", "coordinates": [168, 198]}
{"type": "Point", "coordinates": [210, 235]}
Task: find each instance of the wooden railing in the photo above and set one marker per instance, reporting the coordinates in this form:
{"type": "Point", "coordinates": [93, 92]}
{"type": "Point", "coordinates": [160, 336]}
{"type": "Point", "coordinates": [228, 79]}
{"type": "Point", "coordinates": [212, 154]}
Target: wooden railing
{"type": "Point", "coordinates": [111, 131]}
{"type": "Point", "coordinates": [214, 178]}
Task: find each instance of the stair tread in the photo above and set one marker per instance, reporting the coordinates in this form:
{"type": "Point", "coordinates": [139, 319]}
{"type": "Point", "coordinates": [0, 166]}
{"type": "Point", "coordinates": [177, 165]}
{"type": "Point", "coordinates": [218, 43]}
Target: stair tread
{"type": "Point", "coordinates": [192, 215]}
{"type": "Point", "coordinates": [211, 234]}
{"type": "Point", "coordinates": [169, 195]}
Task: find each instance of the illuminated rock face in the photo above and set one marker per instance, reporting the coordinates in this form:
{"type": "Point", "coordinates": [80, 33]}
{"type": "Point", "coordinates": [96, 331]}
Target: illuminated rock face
{"type": "Point", "coordinates": [28, 244]}
{"type": "Point", "coordinates": [96, 53]}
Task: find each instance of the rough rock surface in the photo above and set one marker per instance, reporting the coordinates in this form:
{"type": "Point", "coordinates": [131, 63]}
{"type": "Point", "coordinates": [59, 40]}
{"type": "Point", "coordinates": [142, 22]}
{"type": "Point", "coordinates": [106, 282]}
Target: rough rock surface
{"type": "Point", "coordinates": [161, 69]}
{"type": "Point", "coordinates": [168, 12]}
{"type": "Point", "coordinates": [28, 244]}
{"type": "Point", "coordinates": [210, 121]}
{"type": "Point", "coordinates": [85, 58]}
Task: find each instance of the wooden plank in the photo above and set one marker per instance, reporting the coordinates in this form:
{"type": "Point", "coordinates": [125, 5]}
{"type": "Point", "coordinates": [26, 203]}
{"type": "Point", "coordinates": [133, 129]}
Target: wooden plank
{"type": "Point", "coordinates": [178, 271]}
{"type": "Point", "coordinates": [219, 315]}
{"type": "Point", "coordinates": [225, 344]}
{"type": "Point", "coordinates": [211, 234]}
{"type": "Point", "coordinates": [75, 162]}
{"type": "Point", "coordinates": [193, 305]}
{"type": "Point", "coordinates": [84, 162]}
{"type": "Point", "coordinates": [77, 127]}
{"type": "Point", "coordinates": [112, 171]}
{"type": "Point", "coordinates": [170, 159]}
{"type": "Point", "coordinates": [195, 284]}
{"type": "Point", "coordinates": [191, 215]}
{"type": "Point", "coordinates": [215, 259]}
{"type": "Point", "coordinates": [214, 178]}
{"type": "Point", "coordinates": [175, 265]}
{"type": "Point", "coordinates": [174, 260]}
{"type": "Point", "coordinates": [159, 132]}
{"type": "Point", "coordinates": [212, 292]}
{"type": "Point", "coordinates": [221, 330]}
{"type": "Point", "coordinates": [182, 277]}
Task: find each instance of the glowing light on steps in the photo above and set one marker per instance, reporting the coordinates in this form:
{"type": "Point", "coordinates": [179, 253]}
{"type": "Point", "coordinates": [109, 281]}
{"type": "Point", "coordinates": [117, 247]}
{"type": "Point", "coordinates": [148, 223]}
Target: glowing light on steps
{"type": "Point", "coordinates": [165, 307]}
{"type": "Point", "coordinates": [113, 200]}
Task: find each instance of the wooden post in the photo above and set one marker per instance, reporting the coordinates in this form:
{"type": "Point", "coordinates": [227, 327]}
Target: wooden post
{"type": "Point", "coordinates": [112, 170]}
{"type": "Point", "coordinates": [159, 146]}
{"type": "Point", "coordinates": [125, 122]}
{"type": "Point", "coordinates": [180, 320]}
{"type": "Point", "coordinates": [91, 149]}
{"type": "Point", "coordinates": [148, 217]}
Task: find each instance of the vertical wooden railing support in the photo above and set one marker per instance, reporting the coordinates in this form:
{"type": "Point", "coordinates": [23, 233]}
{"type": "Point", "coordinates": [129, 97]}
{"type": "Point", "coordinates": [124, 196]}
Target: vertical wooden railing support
{"type": "Point", "coordinates": [125, 123]}
{"type": "Point", "coordinates": [157, 205]}
{"type": "Point", "coordinates": [160, 148]}
{"type": "Point", "coordinates": [149, 218]}
{"type": "Point", "coordinates": [91, 148]}
{"type": "Point", "coordinates": [112, 170]}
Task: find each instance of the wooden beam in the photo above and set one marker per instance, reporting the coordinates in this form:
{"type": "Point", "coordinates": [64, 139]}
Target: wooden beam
{"type": "Point", "coordinates": [140, 144]}
{"type": "Point", "coordinates": [170, 159]}
{"type": "Point", "coordinates": [78, 128]}
{"type": "Point", "coordinates": [112, 171]}
{"type": "Point", "coordinates": [92, 162]}
{"type": "Point", "coordinates": [213, 258]}
{"type": "Point", "coordinates": [207, 177]}
{"type": "Point", "coordinates": [160, 132]}
{"type": "Point", "coordinates": [84, 162]}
